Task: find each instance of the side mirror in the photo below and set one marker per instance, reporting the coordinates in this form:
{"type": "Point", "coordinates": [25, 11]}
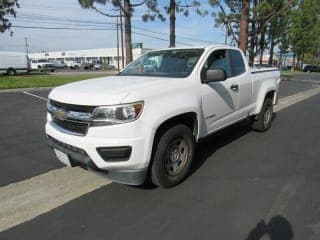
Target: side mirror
{"type": "Point", "coordinates": [215, 75]}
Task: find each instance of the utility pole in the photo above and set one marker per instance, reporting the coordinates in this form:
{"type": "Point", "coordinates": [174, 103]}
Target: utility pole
{"type": "Point", "coordinates": [26, 45]}
{"type": "Point", "coordinates": [118, 44]}
{"type": "Point", "coordinates": [121, 36]}
{"type": "Point", "coordinates": [226, 37]}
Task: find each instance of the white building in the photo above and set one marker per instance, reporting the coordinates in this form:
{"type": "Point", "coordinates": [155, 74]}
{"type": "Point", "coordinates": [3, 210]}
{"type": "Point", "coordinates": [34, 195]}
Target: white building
{"type": "Point", "coordinates": [104, 55]}
{"type": "Point", "coordinates": [265, 60]}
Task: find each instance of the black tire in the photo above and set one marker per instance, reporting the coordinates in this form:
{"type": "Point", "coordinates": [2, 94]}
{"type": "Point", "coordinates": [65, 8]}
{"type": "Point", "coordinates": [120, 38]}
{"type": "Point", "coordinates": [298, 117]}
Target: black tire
{"type": "Point", "coordinates": [173, 156]}
{"type": "Point", "coordinates": [11, 72]}
{"type": "Point", "coordinates": [263, 121]}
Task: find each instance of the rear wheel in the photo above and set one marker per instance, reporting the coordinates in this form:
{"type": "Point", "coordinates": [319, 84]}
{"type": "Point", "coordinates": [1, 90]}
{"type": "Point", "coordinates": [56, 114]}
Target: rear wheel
{"type": "Point", "coordinates": [173, 156]}
{"type": "Point", "coordinates": [263, 121]}
{"type": "Point", "coordinates": [11, 72]}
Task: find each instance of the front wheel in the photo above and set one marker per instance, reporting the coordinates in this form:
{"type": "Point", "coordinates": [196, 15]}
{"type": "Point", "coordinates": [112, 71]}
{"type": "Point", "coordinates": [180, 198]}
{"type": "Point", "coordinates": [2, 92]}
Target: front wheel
{"type": "Point", "coordinates": [263, 121]}
{"type": "Point", "coordinates": [173, 156]}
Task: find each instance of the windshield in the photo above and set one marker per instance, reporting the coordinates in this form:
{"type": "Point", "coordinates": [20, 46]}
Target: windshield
{"type": "Point", "coordinates": [165, 63]}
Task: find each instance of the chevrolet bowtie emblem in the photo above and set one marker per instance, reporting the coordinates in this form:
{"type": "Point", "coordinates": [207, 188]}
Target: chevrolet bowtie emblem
{"type": "Point", "coordinates": [60, 114]}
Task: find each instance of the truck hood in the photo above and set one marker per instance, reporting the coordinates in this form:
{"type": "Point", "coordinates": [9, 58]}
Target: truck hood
{"type": "Point", "coordinates": [106, 90]}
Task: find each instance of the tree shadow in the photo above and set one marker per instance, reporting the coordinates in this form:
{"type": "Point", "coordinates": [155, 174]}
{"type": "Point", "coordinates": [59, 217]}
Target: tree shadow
{"type": "Point", "coordinates": [209, 145]}
{"type": "Point", "coordinates": [278, 228]}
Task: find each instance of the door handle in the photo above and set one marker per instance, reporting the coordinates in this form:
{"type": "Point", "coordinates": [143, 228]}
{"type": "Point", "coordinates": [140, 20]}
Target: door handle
{"type": "Point", "coordinates": [234, 87]}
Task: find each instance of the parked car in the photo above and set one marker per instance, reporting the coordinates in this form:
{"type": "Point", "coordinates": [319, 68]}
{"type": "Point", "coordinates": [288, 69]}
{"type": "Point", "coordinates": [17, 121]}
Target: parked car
{"type": "Point", "coordinates": [57, 64]}
{"type": "Point", "coordinates": [12, 63]}
{"type": "Point", "coordinates": [73, 64]}
{"type": "Point", "coordinates": [109, 67]}
{"type": "Point", "coordinates": [87, 66]}
{"type": "Point", "coordinates": [286, 68]}
{"type": "Point", "coordinates": [311, 68]}
{"type": "Point", "coordinates": [97, 66]}
{"type": "Point", "coordinates": [145, 122]}
{"type": "Point", "coordinates": [42, 65]}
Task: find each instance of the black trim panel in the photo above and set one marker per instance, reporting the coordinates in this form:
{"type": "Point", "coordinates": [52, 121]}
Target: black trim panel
{"type": "Point", "coordinates": [271, 70]}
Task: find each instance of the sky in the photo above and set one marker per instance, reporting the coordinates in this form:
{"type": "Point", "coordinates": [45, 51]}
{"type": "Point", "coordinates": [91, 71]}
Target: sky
{"type": "Point", "coordinates": [192, 30]}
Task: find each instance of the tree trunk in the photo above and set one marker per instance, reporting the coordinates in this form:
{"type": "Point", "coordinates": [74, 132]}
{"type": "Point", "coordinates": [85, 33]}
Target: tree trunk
{"type": "Point", "coordinates": [172, 12]}
{"type": "Point", "coordinates": [301, 61]}
{"type": "Point", "coordinates": [280, 60]}
{"type": "Point", "coordinates": [127, 31]}
{"type": "Point", "coordinates": [243, 35]}
{"type": "Point", "coordinates": [293, 62]}
{"type": "Point", "coordinates": [270, 62]}
{"type": "Point", "coordinates": [262, 46]}
{"type": "Point", "coordinates": [253, 39]}
{"type": "Point", "coordinates": [251, 49]}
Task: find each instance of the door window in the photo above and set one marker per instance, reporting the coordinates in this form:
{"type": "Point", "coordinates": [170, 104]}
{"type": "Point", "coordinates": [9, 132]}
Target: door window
{"type": "Point", "coordinates": [218, 59]}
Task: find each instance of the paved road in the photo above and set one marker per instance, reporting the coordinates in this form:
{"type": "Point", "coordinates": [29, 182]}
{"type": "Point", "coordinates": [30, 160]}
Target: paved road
{"type": "Point", "coordinates": [240, 179]}
{"type": "Point", "coordinates": [23, 151]}
{"type": "Point", "coordinates": [22, 141]}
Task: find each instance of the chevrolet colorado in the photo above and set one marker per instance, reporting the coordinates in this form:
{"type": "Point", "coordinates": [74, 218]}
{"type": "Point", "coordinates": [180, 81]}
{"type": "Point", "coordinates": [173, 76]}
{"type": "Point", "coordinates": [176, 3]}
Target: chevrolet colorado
{"type": "Point", "coordinates": [144, 122]}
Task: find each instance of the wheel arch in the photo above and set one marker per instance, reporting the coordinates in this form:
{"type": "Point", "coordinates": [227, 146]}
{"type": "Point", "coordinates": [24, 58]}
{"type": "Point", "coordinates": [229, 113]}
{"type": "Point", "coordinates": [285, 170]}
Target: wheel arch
{"type": "Point", "coordinates": [190, 119]}
{"type": "Point", "coordinates": [267, 92]}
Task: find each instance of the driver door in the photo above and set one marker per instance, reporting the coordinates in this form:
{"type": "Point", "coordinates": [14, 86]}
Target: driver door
{"type": "Point", "coordinates": [219, 99]}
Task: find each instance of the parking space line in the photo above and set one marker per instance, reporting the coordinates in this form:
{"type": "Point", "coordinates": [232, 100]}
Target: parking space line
{"type": "Point", "coordinates": [27, 199]}
{"type": "Point", "coordinates": [293, 99]}
{"type": "Point", "coordinates": [24, 200]}
{"type": "Point", "coordinates": [34, 95]}
{"type": "Point", "coordinates": [287, 192]}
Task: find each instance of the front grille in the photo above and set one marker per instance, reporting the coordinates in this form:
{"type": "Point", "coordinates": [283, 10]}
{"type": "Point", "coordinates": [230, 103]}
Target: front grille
{"type": "Point", "coordinates": [72, 107]}
{"type": "Point", "coordinates": [72, 126]}
{"type": "Point", "coordinates": [78, 126]}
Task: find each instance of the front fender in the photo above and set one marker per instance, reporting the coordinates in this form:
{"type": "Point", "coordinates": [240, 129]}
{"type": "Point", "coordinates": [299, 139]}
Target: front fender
{"type": "Point", "coordinates": [175, 105]}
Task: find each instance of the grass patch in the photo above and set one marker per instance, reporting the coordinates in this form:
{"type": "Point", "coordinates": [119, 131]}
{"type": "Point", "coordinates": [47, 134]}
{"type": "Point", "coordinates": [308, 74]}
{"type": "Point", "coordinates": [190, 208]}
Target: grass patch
{"type": "Point", "coordinates": [289, 72]}
{"type": "Point", "coordinates": [44, 80]}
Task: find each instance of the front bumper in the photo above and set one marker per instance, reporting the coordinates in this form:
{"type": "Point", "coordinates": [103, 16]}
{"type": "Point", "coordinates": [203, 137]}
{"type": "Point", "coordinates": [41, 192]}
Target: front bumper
{"type": "Point", "coordinates": [83, 151]}
{"type": "Point", "coordinates": [78, 157]}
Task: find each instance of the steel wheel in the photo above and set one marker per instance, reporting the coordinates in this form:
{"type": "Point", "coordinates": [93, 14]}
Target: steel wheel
{"type": "Point", "coordinates": [177, 156]}
{"type": "Point", "coordinates": [267, 117]}
{"type": "Point", "coordinates": [173, 156]}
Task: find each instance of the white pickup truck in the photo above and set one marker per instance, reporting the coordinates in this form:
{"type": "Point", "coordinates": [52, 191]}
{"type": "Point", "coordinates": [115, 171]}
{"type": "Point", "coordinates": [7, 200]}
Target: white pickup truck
{"type": "Point", "coordinates": [144, 123]}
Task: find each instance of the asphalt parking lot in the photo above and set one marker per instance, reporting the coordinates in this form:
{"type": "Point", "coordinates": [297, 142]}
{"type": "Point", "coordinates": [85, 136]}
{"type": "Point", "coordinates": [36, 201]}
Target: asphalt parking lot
{"type": "Point", "coordinates": [244, 184]}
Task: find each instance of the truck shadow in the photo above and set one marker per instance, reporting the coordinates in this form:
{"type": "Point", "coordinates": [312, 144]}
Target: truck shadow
{"type": "Point", "coordinates": [209, 145]}
{"type": "Point", "coordinates": [278, 228]}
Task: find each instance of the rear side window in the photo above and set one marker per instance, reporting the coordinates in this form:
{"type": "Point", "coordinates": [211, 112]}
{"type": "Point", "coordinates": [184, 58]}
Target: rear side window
{"type": "Point", "coordinates": [237, 63]}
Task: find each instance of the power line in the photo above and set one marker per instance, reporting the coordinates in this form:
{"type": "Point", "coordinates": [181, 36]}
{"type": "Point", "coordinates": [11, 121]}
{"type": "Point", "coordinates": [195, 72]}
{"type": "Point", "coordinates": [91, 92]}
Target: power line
{"type": "Point", "coordinates": [48, 18]}
{"type": "Point", "coordinates": [179, 36]}
{"type": "Point", "coordinates": [55, 23]}
{"type": "Point", "coordinates": [92, 29]}
{"type": "Point", "coordinates": [63, 28]}
{"type": "Point", "coordinates": [60, 19]}
{"type": "Point", "coordinates": [162, 39]}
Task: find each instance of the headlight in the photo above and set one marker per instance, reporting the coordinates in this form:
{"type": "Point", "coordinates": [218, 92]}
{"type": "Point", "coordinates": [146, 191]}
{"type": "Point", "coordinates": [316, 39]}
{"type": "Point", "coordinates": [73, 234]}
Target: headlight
{"type": "Point", "coordinates": [110, 115]}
